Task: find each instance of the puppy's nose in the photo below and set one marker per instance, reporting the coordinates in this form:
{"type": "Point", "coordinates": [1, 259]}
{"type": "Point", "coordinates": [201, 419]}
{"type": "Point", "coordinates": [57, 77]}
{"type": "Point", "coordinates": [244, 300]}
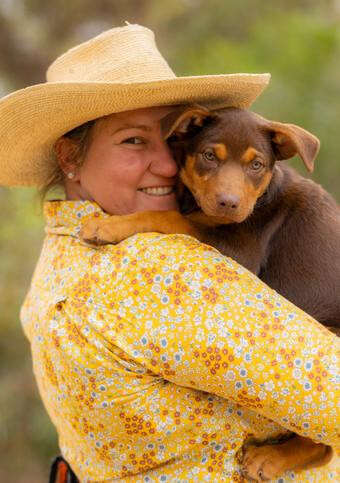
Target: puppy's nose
{"type": "Point", "coordinates": [228, 201]}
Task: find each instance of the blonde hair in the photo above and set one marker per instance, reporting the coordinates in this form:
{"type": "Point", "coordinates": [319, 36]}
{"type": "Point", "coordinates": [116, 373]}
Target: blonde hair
{"type": "Point", "coordinates": [81, 136]}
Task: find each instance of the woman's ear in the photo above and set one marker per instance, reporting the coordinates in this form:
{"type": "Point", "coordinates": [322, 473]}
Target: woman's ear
{"type": "Point", "coordinates": [289, 140]}
{"type": "Point", "coordinates": [66, 151]}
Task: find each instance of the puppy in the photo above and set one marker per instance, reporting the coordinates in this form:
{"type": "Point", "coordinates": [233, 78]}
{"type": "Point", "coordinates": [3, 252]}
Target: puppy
{"type": "Point", "coordinates": [238, 195]}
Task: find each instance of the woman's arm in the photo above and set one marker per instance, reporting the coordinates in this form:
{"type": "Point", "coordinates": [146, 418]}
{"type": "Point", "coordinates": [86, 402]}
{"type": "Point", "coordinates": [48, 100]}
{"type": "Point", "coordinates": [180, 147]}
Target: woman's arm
{"type": "Point", "coordinates": [202, 321]}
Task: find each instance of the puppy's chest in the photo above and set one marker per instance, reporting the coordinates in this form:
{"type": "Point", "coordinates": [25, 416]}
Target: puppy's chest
{"type": "Point", "coordinates": [241, 244]}
{"type": "Point", "coordinates": [248, 243]}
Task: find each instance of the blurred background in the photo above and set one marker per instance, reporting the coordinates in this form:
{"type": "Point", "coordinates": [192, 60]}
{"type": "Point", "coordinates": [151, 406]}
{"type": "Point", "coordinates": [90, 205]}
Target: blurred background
{"type": "Point", "coordinates": [298, 41]}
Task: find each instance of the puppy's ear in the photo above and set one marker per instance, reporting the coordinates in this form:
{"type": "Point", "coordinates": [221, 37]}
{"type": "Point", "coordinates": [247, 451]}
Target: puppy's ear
{"type": "Point", "coordinates": [289, 140]}
{"type": "Point", "coordinates": [184, 120]}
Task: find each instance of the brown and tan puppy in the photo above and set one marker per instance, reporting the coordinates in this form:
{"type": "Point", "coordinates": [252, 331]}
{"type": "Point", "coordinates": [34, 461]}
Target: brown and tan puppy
{"type": "Point", "coordinates": [238, 196]}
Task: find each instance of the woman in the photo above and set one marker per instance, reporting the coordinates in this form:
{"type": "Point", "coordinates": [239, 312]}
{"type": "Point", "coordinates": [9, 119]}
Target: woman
{"type": "Point", "coordinates": [156, 358]}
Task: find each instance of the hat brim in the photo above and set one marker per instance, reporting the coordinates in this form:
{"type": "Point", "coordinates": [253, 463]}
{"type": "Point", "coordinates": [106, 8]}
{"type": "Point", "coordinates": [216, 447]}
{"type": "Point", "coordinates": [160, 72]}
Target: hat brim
{"type": "Point", "coordinates": [32, 119]}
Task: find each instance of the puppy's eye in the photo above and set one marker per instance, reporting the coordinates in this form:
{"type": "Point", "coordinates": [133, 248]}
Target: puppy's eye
{"type": "Point", "coordinates": [256, 165]}
{"type": "Point", "coordinates": [209, 155]}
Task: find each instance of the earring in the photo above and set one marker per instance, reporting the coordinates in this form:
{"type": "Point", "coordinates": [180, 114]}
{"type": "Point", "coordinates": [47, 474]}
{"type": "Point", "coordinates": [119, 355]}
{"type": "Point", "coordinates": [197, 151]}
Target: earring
{"type": "Point", "coordinates": [70, 175]}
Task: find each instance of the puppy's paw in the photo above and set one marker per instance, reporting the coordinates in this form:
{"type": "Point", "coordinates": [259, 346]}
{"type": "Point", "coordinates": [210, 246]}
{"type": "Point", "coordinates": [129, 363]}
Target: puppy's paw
{"type": "Point", "coordinates": [263, 463]}
{"type": "Point", "coordinates": [101, 232]}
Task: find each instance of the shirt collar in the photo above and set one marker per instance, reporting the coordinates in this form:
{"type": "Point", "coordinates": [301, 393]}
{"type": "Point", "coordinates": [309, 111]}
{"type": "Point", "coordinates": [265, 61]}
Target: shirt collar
{"type": "Point", "coordinates": [67, 217]}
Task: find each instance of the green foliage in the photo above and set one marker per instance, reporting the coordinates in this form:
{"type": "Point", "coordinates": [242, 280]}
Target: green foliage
{"type": "Point", "coordinates": [300, 51]}
{"type": "Point", "coordinates": [298, 41]}
{"type": "Point", "coordinates": [27, 439]}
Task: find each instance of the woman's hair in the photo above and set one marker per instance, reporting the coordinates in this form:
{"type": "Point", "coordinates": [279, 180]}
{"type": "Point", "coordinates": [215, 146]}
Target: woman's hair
{"type": "Point", "coordinates": [81, 136]}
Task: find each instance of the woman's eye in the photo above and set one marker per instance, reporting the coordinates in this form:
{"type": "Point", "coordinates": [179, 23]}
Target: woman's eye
{"type": "Point", "coordinates": [256, 165]}
{"type": "Point", "coordinates": [133, 140]}
{"type": "Point", "coordinates": [209, 155]}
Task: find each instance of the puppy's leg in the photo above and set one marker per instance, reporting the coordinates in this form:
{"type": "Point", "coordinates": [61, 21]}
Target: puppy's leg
{"type": "Point", "coordinates": [262, 463]}
{"type": "Point", "coordinates": [117, 228]}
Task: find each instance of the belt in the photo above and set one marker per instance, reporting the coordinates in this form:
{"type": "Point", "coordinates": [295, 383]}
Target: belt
{"type": "Point", "coordinates": [61, 472]}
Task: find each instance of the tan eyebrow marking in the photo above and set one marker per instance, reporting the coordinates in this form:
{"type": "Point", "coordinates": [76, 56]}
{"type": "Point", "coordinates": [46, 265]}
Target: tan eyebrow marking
{"type": "Point", "coordinates": [221, 151]}
{"type": "Point", "coordinates": [249, 155]}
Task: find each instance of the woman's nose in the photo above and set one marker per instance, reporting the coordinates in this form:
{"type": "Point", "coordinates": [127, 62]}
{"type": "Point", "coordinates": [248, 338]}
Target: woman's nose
{"type": "Point", "coordinates": [163, 163]}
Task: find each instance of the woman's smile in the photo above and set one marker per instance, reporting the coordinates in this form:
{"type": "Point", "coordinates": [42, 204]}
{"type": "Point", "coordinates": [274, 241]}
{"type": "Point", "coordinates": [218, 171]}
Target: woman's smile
{"type": "Point", "coordinates": [158, 190]}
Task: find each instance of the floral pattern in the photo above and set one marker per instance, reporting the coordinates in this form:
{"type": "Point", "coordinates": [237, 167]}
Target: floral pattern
{"type": "Point", "coordinates": [158, 357]}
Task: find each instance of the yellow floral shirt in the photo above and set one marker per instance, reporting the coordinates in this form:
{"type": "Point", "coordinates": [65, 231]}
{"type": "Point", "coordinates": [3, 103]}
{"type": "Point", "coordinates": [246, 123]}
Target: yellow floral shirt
{"type": "Point", "coordinates": [156, 358]}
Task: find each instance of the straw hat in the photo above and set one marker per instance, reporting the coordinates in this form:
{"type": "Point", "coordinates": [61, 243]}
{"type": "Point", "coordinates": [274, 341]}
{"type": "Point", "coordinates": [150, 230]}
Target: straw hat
{"type": "Point", "coordinates": [119, 70]}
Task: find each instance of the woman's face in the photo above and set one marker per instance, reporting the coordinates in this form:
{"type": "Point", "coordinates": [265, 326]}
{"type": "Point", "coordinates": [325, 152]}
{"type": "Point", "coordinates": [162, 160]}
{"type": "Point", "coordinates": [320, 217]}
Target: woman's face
{"type": "Point", "coordinates": [127, 167]}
